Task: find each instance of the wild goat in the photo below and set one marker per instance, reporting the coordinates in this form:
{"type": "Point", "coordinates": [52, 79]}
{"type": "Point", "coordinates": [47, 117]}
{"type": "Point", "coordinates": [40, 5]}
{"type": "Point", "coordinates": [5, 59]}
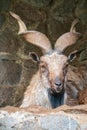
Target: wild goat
{"type": "Point", "coordinates": [48, 87]}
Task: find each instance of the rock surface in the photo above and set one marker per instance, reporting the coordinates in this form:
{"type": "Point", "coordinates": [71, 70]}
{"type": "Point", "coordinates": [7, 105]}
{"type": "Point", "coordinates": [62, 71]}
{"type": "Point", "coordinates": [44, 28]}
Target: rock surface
{"type": "Point", "coordinates": [38, 118]}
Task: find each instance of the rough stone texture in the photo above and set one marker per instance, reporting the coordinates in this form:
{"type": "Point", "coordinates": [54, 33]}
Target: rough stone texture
{"type": "Point", "coordinates": [81, 10]}
{"type": "Point", "coordinates": [10, 73]}
{"type": "Point", "coordinates": [10, 95]}
{"type": "Point", "coordinates": [39, 3]}
{"type": "Point", "coordinates": [38, 118]}
{"type": "Point", "coordinates": [52, 17]}
{"type": "Point", "coordinates": [9, 42]}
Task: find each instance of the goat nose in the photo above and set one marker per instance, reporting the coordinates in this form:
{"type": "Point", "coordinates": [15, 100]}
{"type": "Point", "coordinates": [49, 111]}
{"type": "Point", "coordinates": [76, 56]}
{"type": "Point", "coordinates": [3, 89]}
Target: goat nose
{"type": "Point", "coordinates": [58, 84]}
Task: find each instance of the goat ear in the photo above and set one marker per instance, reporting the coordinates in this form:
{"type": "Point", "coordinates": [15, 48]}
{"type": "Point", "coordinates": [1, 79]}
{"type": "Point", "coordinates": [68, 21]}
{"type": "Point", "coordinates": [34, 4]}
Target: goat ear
{"type": "Point", "coordinates": [34, 57]}
{"type": "Point", "coordinates": [72, 55]}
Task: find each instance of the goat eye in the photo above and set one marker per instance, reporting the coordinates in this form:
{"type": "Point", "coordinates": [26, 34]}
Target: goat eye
{"type": "Point", "coordinates": [43, 68]}
{"type": "Point", "coordinates": [66, 65]}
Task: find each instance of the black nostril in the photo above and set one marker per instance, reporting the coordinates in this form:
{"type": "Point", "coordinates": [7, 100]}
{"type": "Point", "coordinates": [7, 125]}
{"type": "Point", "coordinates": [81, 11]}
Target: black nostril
{"type": "Point", "coordinates": [58, 84]}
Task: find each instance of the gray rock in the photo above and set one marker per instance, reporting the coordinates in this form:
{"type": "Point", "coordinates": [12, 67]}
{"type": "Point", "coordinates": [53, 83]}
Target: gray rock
{"type": "Point", "coordinates": [10, 72]}
{"type": "Point", "coordinates": [39, 3]}
{"type": "Point", "coordinates": [81, 10]}
{"type": "Point", "coordinates": [38, 118]}
{"type": "Point", "coordinates": [2, 19]}
{"type": "Point", "coordinates": [9, 42]}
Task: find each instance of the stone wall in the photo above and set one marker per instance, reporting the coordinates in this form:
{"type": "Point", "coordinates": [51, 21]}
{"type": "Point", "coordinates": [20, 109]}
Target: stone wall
{"type": "Point", "coordinates": [52, 17]}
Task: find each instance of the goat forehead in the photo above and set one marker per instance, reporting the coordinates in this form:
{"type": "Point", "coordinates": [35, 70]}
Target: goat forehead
{"type": "Point", "coordinates": [54, 59]}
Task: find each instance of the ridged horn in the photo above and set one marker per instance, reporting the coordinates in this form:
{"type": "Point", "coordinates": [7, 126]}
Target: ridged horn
{"type": "Point", "coordinates": [34, 37]}
{"type": "Point", "coordinates": [68, 38]}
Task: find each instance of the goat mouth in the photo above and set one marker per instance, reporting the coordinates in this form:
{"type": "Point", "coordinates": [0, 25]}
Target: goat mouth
{"type": "Point", "coordinates": [54, 89]}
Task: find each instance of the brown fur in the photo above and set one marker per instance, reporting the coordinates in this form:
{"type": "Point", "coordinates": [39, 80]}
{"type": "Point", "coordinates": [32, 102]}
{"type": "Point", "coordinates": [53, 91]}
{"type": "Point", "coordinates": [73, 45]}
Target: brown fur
{"type": "Point", "coordinates": [37, 91]}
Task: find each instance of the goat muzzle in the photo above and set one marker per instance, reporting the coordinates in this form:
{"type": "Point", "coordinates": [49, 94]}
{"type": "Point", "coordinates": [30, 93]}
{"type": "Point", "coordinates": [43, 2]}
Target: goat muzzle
{"type": "Point", "coordinates": [57, 87]}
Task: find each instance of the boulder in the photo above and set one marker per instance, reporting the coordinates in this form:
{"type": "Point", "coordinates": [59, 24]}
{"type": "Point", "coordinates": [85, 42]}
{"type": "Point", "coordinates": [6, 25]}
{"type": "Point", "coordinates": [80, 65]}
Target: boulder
{"type": "Point", "coordinates": [39, 118]}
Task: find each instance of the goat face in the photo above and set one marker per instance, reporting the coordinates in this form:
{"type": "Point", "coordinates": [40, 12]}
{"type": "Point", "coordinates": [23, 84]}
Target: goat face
{"type": "Point", "coordinates": [53, 69]}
